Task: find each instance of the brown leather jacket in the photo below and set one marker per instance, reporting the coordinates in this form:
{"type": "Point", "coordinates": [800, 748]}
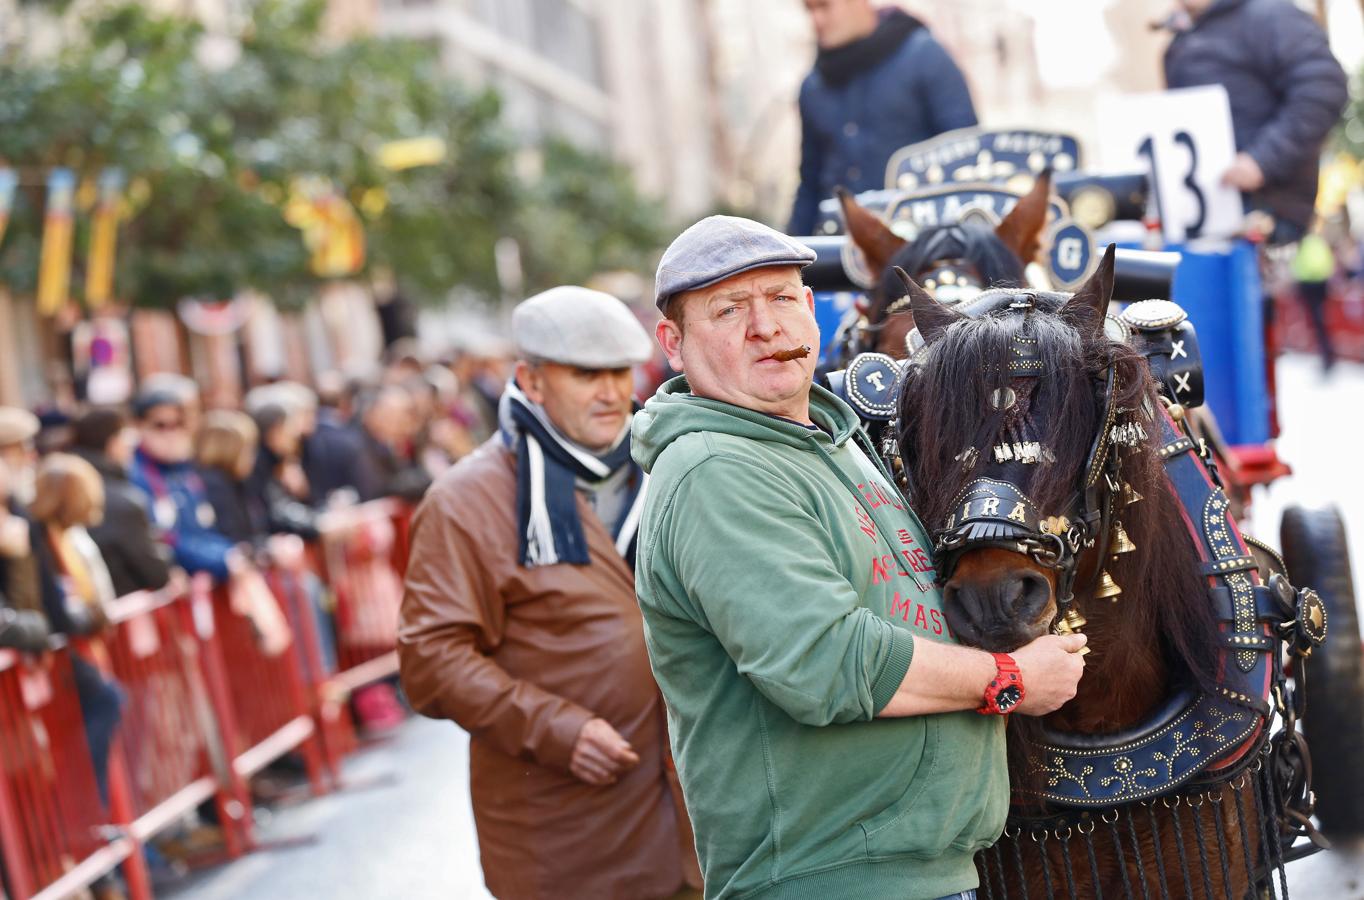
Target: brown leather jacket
{"type": "Point", "coordinates": [522, 658]}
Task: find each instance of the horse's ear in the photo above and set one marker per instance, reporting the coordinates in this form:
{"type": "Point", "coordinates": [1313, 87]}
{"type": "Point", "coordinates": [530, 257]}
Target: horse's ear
{"type": "Point", "coordinates": [1021, 230]}
{"type": "Point", "coordinates": [877, 242]}
{"type": "Point", "coordinates": [1087, 309]}
{"type": "Point", "coordinates": [930, 316]}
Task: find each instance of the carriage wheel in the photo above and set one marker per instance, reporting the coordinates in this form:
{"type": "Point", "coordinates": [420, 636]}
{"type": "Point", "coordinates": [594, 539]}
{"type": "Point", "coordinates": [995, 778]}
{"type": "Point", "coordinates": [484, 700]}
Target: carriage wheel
{"type": "Point", "coordinates": [1317, 556]}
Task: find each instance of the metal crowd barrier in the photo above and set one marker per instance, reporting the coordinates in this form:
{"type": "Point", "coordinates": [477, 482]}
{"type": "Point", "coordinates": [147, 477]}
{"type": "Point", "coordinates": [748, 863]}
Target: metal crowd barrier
{"type": "Point", "coordinates": [268, 707]}
{"type": "Point", "coordinates": [55, 834]}
{"type": "Point", "coordinates": [364, 555]}
{"type": "Point", "coordinates": [205, 708]}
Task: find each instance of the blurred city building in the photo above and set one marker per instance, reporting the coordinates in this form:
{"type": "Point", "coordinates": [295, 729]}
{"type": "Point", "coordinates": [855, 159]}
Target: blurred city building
{"type": "Point", "coordinates": [629, 79]}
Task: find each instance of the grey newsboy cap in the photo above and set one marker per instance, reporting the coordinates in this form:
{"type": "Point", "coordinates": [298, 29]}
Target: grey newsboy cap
{"type": "Point", "coordinates": [720, 246]}
{"type": "Point", "coordinates": [579, 327]}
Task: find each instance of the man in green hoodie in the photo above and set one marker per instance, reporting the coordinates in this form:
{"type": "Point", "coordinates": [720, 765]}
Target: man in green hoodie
{"type": "Point", "coordinates": [823, 719]}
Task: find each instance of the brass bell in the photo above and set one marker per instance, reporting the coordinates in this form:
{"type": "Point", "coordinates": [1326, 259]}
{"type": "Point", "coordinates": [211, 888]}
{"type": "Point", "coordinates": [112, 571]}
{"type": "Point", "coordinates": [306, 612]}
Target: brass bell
{"type": "Point", "coordinates": [1108, 588]}
{"type": "Point", "coordinates": [1071, 623]}
{"type": "Point", "coordinates": [1121, 543]}
{"type": "Point", "coordinates": [1129, 494]}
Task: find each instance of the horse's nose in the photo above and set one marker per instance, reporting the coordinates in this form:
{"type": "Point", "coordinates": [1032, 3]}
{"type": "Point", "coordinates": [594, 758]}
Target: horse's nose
{"type": "Point", "coordinates": [1007, 604]}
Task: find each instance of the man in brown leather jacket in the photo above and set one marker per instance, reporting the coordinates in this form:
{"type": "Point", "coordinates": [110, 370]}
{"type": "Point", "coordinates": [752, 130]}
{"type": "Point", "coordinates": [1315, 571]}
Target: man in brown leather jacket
{"type": "Point", "coordinates": [519, 622]}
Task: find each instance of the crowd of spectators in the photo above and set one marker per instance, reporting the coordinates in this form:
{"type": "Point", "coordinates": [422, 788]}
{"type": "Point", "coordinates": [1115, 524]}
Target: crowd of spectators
{"type": "Point", "coordinates": [100, 502]}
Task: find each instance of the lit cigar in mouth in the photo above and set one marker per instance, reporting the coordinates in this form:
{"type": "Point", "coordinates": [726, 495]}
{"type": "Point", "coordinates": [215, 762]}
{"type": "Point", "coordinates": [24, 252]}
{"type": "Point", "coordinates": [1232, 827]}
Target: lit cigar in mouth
{"type": "Point", "coordinates": [794, 353]}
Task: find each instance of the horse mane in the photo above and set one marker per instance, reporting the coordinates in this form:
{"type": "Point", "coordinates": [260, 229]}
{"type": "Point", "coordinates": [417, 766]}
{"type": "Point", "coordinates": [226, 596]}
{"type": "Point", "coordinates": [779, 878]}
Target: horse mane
{"type": "Point", "coordinates": [945, 409]}
{"type": "Point", "coordinates": [998, 265]}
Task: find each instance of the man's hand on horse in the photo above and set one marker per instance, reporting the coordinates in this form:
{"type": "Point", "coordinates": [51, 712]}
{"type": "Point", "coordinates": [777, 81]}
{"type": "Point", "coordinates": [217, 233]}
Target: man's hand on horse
{"type": "Point", "coordinates": [1051, 666]}
{"type": "Point", "coordinates": [601, 754]}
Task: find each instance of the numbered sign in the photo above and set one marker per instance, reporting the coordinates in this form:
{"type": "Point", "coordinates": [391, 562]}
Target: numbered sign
{"type": "Point", "coordinates": [1183, 139]}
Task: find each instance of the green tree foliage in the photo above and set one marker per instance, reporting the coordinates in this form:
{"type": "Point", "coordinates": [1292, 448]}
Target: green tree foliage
{"type": "Point", "coordinates": [1350, 134]}
{"type": "Point", "coordinates": [211, 151]}
{"type": "Point", "coordinates": [586, 216]}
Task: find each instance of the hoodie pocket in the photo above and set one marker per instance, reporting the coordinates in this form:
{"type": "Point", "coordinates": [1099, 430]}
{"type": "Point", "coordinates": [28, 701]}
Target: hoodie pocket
{"type": "Point", "coordinates": [905, 826]}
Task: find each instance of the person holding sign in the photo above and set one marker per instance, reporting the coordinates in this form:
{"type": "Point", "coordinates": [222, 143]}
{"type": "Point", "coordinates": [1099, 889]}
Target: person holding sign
{"type": "Point", "coordinates": [1286, 90]}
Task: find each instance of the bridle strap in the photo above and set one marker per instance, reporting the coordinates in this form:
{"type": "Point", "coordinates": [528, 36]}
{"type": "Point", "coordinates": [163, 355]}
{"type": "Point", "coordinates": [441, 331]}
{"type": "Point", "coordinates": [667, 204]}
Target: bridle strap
{"type": "Point", "coordinates": [996, 514]}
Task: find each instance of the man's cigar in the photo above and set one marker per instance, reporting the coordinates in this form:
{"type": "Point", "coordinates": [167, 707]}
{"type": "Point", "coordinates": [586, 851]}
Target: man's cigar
{"type": "Point", "coordinates": [794, 353]}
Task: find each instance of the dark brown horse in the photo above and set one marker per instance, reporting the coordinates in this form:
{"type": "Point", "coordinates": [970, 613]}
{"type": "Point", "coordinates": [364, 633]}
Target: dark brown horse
{"type": "Point", "coordinates": [963, 397]}
{"type": "Point", "coordinates": [970, 254]}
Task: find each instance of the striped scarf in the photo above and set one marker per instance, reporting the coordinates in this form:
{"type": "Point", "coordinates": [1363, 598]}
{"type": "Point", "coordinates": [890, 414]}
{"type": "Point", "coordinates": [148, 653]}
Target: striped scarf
{"type": "Point", "coordinates": [548, 467]}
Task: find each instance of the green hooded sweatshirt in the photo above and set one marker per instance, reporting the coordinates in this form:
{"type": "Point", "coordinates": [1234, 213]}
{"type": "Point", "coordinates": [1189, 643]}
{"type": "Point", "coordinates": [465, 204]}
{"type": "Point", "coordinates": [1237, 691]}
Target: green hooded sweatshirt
{"type": "Point", "coordinates": [783, 582]}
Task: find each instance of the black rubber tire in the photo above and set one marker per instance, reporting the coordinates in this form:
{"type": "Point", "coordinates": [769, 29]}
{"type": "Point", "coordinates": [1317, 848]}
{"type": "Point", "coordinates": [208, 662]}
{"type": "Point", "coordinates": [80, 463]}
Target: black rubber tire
{"type": "Point", "coordinates": [1317, 556]}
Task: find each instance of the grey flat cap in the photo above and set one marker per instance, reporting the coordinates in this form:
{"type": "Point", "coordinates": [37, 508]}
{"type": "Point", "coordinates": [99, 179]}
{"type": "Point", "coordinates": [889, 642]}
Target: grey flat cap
{"type": "Point", "coordinates": [16, 425]}
{"type": "Point", "coordinates": [720, 246]}
{"type": "Point", "coordinates": [579, 327]}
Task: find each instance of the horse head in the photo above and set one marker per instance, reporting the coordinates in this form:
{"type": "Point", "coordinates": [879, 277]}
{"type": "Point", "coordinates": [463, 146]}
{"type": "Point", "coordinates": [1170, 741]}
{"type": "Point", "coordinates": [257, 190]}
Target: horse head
{"type": "Point", "coordinates": [1026, 433]}
{"type": "Point", "coordinates": [954, 262]}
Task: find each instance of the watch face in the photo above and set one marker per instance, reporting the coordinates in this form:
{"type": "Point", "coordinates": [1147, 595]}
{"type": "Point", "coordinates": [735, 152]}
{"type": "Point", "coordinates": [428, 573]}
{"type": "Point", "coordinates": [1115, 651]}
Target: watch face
{"type": "Point", "coordinates": [1008, 698]}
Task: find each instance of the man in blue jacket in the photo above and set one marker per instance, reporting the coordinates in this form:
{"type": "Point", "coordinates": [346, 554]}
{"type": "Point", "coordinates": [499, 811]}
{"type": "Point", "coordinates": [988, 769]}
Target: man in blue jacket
{"type": "Point", "coordinates": [1286, 89]}
{"type": "Point", "coordinates": [164, 471]}
{"type": "Point", "coordinates": [880, 82]}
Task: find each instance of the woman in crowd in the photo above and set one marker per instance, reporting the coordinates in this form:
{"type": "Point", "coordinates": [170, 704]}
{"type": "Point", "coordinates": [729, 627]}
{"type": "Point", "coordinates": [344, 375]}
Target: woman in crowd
{"type": "Point", "coordinates": [225, 451]}
{"type": "Point", "coordinates": [70, 496]}
{"type": "Point", "coordinates": [245, 466]}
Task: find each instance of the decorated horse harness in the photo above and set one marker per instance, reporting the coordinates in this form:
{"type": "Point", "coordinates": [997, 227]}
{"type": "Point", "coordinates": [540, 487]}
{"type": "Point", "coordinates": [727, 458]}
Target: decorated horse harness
{"type": "Point", "coordinates": [1197, 742]}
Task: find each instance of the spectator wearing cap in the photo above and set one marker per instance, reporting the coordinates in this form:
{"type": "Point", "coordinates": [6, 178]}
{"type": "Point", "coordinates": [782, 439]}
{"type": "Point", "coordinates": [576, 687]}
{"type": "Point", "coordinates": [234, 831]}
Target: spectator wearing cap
{"type": "Point", "coordinates": [163, 469]}
{"type": "Point", "coordinates": [183, 388]}
{"type": "Point", "coordinates": [135, 559]}
{"type": "Point", "coordinates": [519, 621]}
{"type": "Point", "coordinates": [789, 603]}
{"type": "Point", "coordinates": [18, 430]}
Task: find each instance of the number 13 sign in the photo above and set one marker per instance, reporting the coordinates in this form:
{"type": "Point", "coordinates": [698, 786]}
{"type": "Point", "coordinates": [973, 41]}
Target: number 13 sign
{"type": "Point", "coordinates": [1183, 139]}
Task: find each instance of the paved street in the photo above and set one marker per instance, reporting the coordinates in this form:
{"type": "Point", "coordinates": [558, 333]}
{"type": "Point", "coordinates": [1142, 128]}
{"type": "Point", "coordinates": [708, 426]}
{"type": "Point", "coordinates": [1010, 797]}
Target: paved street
{"type": "Point", "coordinates": [404, 827]}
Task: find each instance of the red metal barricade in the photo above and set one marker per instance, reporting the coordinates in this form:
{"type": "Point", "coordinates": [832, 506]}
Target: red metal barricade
{"type": "Point", "coordinates": [206, 708]}
{"type": "Point", "coordinates": [360, 551]}
{"type": "Point", "coordinates": [172, 744]}
{"type": "Point", "coordinates": [56, 836]}
{"type": "Point", "coordinates": [268, 713]}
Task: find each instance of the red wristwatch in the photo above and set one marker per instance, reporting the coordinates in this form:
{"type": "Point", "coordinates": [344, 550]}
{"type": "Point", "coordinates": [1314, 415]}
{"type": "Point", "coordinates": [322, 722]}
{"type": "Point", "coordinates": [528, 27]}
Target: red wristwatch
{"type": "Point", "coordinates": [1006, 691]}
